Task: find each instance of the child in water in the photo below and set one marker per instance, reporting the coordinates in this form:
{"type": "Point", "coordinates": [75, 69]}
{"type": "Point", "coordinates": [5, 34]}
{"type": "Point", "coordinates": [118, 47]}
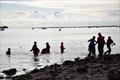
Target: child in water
{"type": "Point", "coordinates": [47, 47]}
{"type": "Point", "coordinates": [8, 51]}
{"type": "Point", "coordinates": [35, 49]}
{"type": "Point", "coordinates": [109, 43]}
{"type": "Point", "coordinates": [91, 47]}
{"type": "Point", "coordinates": [62, 47]}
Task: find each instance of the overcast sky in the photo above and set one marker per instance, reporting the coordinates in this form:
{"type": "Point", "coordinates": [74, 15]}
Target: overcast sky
{"type": "Point", "coordinates": [29, 13]}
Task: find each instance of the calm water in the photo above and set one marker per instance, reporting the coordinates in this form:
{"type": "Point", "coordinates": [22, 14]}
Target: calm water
{"type": "Point", "coordinates": [75, 41]}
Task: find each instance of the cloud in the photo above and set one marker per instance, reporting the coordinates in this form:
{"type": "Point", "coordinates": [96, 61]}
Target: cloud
{"type": "Point", "coordinates": [60, 12]}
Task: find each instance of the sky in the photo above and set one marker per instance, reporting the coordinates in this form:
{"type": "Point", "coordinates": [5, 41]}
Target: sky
{"type": "Point", "coordinates": [39, 13]}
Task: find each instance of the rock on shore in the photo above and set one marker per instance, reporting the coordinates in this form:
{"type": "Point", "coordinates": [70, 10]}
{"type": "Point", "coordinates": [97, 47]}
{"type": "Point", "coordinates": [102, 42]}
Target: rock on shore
{"type": "Point", "coordinates": [90, 68]}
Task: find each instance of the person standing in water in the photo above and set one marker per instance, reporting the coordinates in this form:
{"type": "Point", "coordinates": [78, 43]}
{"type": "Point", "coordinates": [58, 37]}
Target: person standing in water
{"type": "Point", "coordinates": [62, 47]}
{"type": "Point", "coordinates": [47, 47]}
{"type": "Point", "coordinates": [8, 52]}
{"type": "Point", "coordinates": [101, 43]}
{"type": "Point", "coordinates": [91, 47]}
{"type": "Point", "coordinates": [109, 43]}
{"type": "Point", "coordinates": [35, 49]}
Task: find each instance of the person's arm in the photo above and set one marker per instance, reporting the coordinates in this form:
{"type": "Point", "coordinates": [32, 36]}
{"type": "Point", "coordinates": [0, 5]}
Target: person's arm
{"type": "Point", "coordinates": [32, 48]}
{"type": "Point", "coordinates": [113, 43]}
{"type": "Point", "coordinates": [89, 40]}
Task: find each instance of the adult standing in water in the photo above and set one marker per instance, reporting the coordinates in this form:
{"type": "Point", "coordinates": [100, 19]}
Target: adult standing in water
{"type": "Point", "coordinates": [47, 47]}
{"type": "Point", "coordinates": [62, 47]}
{"type": "Point", "coordinates": [101, 43]}
{"type": "Point", "coordinates": [35, 49]}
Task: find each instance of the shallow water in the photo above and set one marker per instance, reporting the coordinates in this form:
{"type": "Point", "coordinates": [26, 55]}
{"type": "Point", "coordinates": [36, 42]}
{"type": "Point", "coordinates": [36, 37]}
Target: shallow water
{"type": "Point", "coordinates": [75, 41]}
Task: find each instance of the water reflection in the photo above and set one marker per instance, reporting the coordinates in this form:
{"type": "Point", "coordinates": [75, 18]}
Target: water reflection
{"type": "Point", "coordinates": [47, 58]}
{"type": "Point", "coordinates": [9, 60]}
{"type": "Point", "coordinates": [62, 58]}
{"type": "Point", "coordinates": [35, 61]}
{"type": "Point", "coordinates": [39, 60]}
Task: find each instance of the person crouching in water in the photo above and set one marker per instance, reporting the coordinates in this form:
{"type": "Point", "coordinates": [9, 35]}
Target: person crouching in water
{"type": "Point", "coordinates": [35, 49]}
{"type": "Point", "coordinates": [109, 43]}
{"type": "Point", "coordinates": [62, 47]}
{"type": "Point", "coordinates": [46, 50]}
{"type": "Point", "coordinates": [91, 47]}
{"type": "Point", "coordinates": [8, 52]}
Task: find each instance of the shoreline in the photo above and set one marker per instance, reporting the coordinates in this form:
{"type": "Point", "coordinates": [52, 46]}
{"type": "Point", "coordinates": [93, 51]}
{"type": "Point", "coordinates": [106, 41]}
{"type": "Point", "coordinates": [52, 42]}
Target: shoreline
{"type": "Point", "coordinates": [89, 68]}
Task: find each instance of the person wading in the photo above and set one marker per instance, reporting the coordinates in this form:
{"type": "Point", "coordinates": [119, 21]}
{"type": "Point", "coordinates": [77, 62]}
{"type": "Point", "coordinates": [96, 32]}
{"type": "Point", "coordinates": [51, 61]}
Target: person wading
{"type": "Point", "coordinates": [35, 49]}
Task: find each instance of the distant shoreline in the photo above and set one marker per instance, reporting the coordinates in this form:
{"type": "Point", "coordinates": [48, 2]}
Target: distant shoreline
{"type": "Point", "coordinates": [60, 27]}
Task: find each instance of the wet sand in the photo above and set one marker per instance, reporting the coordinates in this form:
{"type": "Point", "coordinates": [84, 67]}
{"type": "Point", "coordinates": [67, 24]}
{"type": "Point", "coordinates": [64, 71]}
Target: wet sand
{"type": "Point", "coordinates": [89, 68]}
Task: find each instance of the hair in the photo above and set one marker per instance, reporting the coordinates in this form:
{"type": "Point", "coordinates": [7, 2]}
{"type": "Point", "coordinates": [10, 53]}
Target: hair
{"type": "Point", "coordinates": [35, 42]}
{"type": "Point", "coordinates": [93, 36]}
{"type": "Point", "coordinates": [47, 43]}
{"type": "Point", "coordinates": [8, 48]}
{"type": "Point", "coordinates": [99, 34]}
{"type": "Point", "coordinates": [109, 37]}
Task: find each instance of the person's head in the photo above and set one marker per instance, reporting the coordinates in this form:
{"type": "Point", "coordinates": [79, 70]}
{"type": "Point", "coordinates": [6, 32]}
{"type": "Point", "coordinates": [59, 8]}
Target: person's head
{"type": "Point", "coordinates": [47, 43]}
{"type": "Point", "coordinates": [109, 37]}
{"type": "Point", "coordinates": [8, 49]}
{"type": "Point", "coordinates": [93, 37]}
{"type": "Point", "coordinates": [99, 34]}
{"type": "Point", "coordinates": [61, 43]}
{"type": "Point", "coordinates": [35, 42]}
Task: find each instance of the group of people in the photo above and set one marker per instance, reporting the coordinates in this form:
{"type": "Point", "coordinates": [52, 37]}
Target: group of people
{"type": "Point", "coordinates": [46, 50]}
{"type": "Point", "coordinates": [36, 50]}
{"type": "Point", "coordinates": [101, 42]}
{"type": "Point", "coordinates": [91, 48]}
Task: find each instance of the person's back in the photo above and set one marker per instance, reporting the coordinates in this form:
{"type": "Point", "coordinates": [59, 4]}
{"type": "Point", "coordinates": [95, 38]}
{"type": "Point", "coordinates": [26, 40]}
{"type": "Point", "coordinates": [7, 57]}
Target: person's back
{"type": "Point", "coordinates": [100, 40]}
{"type": "Point", "coordinates": [92, 41]}
{"type": "Point", "coordinates": [43, 51]}
{"type": "Point", "coordinates": [101, 43]}
{"type": "Point", "coordinates": [47, 47]}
